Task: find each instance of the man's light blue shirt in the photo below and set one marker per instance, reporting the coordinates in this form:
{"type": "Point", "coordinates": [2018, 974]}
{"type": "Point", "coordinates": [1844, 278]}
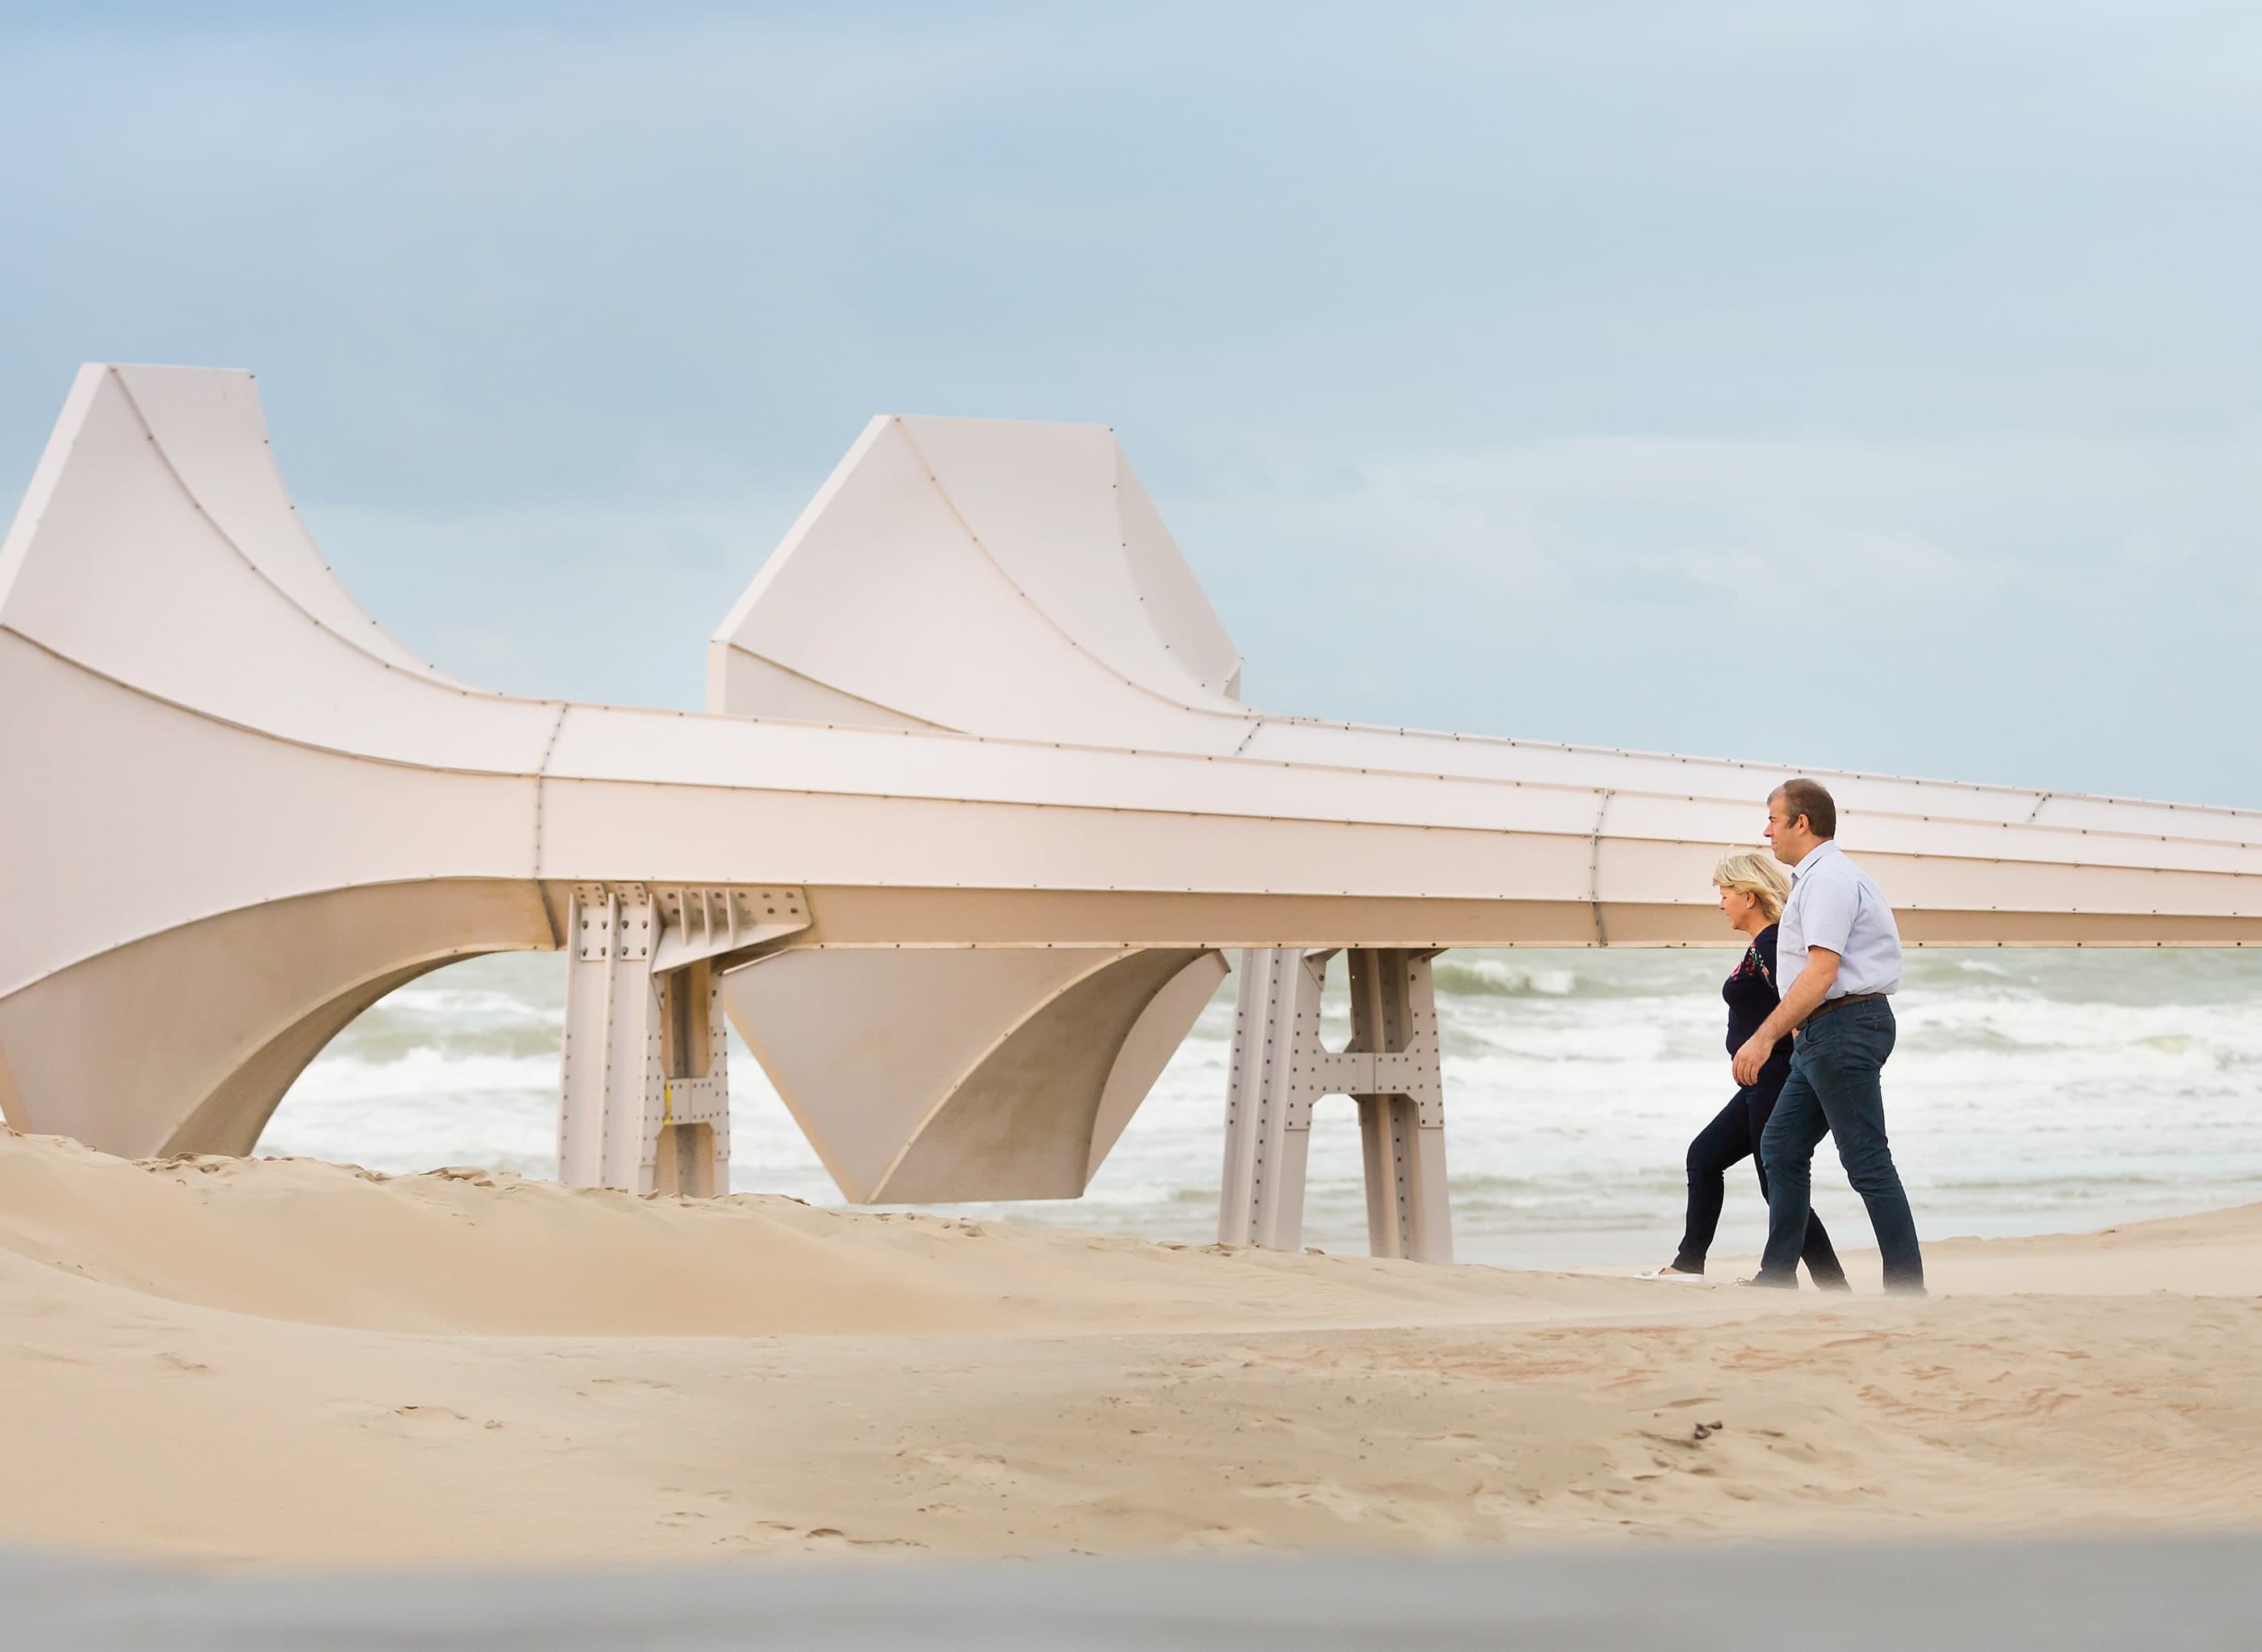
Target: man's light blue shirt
{"type": "Point", "coordinates": [1836, 905]}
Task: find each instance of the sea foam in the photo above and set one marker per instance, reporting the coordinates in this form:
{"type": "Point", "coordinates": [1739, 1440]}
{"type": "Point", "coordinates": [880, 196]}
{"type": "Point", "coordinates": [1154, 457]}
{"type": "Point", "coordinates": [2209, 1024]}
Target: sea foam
{"type": "Point", "coordinates": [2030, 1092]}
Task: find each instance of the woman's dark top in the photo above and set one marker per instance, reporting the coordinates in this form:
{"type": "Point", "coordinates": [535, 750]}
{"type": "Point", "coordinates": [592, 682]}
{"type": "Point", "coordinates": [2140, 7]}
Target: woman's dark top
{"type": "Point", "coordinates": [1752, 998]}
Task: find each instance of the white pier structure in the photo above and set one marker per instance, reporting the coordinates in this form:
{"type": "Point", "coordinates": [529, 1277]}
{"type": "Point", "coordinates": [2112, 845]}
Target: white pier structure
{"type": "Point", "coordinates": [1039, 540]}
{"type": "Point", "coordinates": [973, 815]}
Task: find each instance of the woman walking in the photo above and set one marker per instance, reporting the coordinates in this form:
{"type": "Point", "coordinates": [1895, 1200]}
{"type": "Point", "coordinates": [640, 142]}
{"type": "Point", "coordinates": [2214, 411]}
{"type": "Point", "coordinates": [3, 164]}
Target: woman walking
{"type": "Point", "coordinates": [1753, 889]}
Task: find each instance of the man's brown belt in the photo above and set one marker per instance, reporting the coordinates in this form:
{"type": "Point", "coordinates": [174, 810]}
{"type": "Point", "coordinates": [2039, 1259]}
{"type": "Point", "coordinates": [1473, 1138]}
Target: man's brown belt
{"type": "Point", "coordinates": [1829, 1004]}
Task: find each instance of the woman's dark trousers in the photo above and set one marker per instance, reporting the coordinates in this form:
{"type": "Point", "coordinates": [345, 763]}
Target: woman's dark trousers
{"type": "Point", "coordinates": [1733, 1135]}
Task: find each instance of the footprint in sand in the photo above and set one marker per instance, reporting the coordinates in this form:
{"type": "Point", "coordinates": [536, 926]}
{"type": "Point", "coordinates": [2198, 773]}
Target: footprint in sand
{"type": "Point", "coordinates": [977, 1469]}
{"type": "Point", "coordinates": [417, 1421]}
{"type": "Point", "coordinates": [46, 1356]}
{"type": "Point", "coordinates": [831, 1540]}
{"type": "Point", "coordinates": [639, 1384]}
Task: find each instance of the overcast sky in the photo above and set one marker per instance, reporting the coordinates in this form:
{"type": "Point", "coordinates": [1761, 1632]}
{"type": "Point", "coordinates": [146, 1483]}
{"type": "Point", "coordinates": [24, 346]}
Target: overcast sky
{"type": "Point", "coordinates": [1875, 386]}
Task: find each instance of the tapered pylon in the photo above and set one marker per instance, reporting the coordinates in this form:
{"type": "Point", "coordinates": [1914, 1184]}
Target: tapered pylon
{"type": "Point", "coordinates": [1038, 541]}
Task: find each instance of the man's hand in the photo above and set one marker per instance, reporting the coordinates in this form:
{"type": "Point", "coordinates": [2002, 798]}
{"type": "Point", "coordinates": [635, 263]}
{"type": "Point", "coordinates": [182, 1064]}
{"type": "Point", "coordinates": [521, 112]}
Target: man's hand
{"type": "Point", "coordinates": [1811, 988]}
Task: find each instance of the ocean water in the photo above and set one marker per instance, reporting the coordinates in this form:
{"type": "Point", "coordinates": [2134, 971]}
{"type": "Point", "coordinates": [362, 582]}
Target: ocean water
{"type": "Point", "coordinates": [2031, 1092]}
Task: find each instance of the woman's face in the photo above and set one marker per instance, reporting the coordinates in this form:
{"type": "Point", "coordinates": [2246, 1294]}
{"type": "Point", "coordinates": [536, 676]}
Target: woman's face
{"type": "Point", "coordinates": [1737, 904]}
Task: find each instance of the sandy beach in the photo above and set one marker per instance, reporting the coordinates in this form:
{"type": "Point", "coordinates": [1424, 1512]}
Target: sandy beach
{"type": "Point", "coordinates": [284, 1362]}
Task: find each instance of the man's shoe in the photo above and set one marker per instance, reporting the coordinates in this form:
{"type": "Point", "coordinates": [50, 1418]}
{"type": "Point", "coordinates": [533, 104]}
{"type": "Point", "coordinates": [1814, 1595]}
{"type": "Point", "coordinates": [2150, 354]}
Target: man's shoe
{"type": "Point", "coordinates": [1769, 1284]}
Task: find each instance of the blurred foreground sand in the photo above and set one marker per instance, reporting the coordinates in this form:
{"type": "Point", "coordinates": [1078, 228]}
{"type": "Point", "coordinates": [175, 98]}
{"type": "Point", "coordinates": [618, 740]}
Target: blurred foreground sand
{"type": "Point", "coordinates": [281, 1360]}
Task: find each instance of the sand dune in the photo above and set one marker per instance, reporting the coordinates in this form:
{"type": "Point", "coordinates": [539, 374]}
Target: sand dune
{"type": "Point", "coordinates": [283, 1361]}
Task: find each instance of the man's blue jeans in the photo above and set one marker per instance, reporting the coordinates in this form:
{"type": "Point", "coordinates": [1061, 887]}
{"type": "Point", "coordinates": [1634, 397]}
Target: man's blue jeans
{"type": "Point", "coordinates": [1833, 1089]}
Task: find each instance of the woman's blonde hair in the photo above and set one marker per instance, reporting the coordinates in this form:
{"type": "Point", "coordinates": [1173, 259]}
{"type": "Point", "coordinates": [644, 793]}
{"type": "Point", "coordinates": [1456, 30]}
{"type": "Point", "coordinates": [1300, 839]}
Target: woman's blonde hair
{"type": "Point", "coordinates": [1755, 875]}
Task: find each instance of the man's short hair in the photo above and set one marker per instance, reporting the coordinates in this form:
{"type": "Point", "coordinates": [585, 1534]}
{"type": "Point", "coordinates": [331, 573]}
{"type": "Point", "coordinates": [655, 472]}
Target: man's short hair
{"type": "Point", "coordinates": [1807, 798]}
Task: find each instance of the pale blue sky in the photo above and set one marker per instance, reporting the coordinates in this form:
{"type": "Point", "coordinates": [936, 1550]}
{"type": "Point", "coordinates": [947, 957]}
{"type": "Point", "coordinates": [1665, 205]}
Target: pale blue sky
{"type": "Point", "coordinates": [1866, 384]}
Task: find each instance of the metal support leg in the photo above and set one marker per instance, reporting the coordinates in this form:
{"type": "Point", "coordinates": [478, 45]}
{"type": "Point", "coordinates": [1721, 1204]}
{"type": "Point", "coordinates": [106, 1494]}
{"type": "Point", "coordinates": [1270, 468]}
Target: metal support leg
{"type": "Point", "coordinates": [1268, 1128]}
{"type": "Point", "coordinates": [643, 1090]}
{"type": "Point", "coordinates": [687, 1149]}
{"type": "Point", "coordinates": [1279, 1068]}
{"type": "Point", "coordinates": [1402, 1120]}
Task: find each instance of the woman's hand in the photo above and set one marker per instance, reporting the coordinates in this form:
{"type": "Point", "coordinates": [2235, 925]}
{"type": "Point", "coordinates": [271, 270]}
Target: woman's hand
{"type": "Point", "coordinates": [1753, 1057]}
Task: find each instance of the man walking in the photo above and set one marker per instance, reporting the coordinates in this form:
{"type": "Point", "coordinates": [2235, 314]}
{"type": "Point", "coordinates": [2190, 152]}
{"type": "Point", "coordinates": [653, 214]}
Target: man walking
{"type": "Point", "coordinates": [1839, 951]}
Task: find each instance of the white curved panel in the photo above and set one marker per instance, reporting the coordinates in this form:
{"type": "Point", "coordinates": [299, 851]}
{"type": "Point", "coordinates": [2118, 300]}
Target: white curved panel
{"type": "Point", "coordinates": [1171, 598]}
{"type": "Point", "coordinates": [1147, 1049]}
{"type": "Point", "coordinates": [925, 1021]}
{"type": "Point", "coordinates": [740, 679]}
{"type": "Point", "coordinates": [1023, 1122]}
{"type": "Point", "coordinates": [128, 817]}
{"type": "Point", "coordinates": [1046, 503]}
{"type": "Point", "coordinates": [184, 1040]}
{"type": "Point", "coordinates": [209, 428]}
{"type": "Point", "coordinates": [137, 581]}
{"type": "Point", "coordinates": [949, 588]}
